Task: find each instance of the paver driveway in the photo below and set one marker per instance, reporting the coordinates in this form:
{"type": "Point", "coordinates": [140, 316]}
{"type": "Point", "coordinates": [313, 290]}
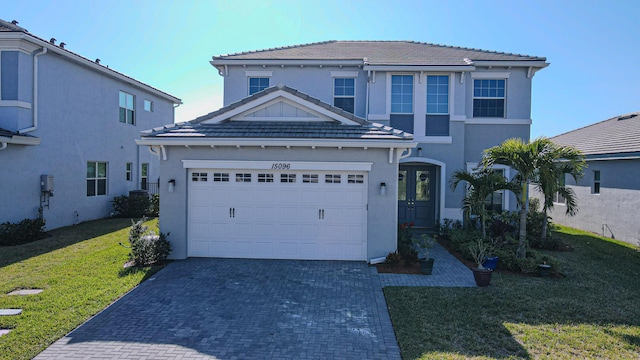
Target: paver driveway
{"type": "Point", "coordinates": [244, 309]}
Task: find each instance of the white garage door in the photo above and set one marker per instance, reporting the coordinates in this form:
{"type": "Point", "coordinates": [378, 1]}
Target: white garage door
{"type": "Point", "coordinates": [288, 214]}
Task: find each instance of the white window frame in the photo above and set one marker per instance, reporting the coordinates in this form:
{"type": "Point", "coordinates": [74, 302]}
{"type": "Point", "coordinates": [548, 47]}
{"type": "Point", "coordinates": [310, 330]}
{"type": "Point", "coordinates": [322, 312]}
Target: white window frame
{"type": "Point", "coordinates": [390, 87]}
{"type": "Point", "coordinates": [97, 178]}
{"type": "Point", "coordinates": [257, 74]}
{"type": "Point", "coordinates": [148, 105]}
{"type": "Point", "coordinates": [144, 178]}
{"type": "Point", "coordinates": [126, 107]}
{"type": "Point", "coordinates": [473, 167]}
{"type": "Point", "coordinates": [490, 75]}
{"type": "Point", "coordinates": [449, 95]}
{"type": "Point", "coordinates": [129, 171]}
{"type": "Point", "coordinates": [345, 96]}
{"type": "Point", "coordinates": [557, 198]}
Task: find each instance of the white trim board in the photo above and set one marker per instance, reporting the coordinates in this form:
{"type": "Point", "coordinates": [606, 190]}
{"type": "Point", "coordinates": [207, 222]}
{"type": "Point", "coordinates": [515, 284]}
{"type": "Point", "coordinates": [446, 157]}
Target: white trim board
{"type": "Point", "coordinates": [279, 165]}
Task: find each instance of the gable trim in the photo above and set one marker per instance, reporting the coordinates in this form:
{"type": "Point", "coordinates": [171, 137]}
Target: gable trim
{"type": "Point", "coordinates": [244, 108]}
{"type": "Point", "coordinates": [244, 117]}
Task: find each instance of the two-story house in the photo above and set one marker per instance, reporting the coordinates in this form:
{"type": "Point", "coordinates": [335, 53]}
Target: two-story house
{"type": "Point", "coordinates": [320, 149]}
{"type": "Point", "coordinates": [67, 131]}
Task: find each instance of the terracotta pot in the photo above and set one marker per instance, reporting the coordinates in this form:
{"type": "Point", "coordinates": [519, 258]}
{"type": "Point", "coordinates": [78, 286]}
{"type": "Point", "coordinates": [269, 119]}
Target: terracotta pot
{"type": "Point", "coordinates": [482, 276]}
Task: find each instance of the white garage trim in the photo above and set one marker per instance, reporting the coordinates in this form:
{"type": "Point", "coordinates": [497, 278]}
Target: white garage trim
{"type": "Point", "coordinates": [277, 214]}
{"type": "Point", "coordinates": [276, 165]}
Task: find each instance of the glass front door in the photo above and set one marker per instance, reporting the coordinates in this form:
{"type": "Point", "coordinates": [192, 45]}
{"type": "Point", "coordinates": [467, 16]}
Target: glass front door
{"type": "Point", "coordinates": [416, 195]}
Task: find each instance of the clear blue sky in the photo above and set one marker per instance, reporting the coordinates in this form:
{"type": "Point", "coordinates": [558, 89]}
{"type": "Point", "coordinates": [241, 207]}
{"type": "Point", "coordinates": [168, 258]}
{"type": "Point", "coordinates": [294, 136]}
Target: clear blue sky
{"type": "Point", "coordinates": [593, 46]}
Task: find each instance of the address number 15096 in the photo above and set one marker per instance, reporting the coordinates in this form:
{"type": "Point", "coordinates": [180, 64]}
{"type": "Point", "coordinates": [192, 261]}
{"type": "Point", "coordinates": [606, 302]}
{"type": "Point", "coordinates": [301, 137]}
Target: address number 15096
{"type": "Point", "coordinates": [280, 166]}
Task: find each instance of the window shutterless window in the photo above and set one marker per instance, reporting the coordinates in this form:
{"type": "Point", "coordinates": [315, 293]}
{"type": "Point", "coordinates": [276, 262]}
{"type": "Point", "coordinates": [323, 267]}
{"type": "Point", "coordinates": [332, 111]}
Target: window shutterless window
{"type": "Point", "coordinates": [402, 94]}
{"type": "Point", "coordinates": [129, 171]}
{"type": "Point", "coordinates": [148, 105]}
{"type": "Point", "coordinates": [144, 176]}
{"type": "Point", "coordinates": [127, 108]}
{"type": "Point", "coordinates": [557, 196]}
{"type": "Point", "coordinates": [96, 178]}
{"type": "Point", "coordinates": [257, 84]}
{"type": "Point", "coordinates": [344, 94]}
{"type": "Point", "coordinates": [438, 94]}
{"type": "Point", "coordinates": [596, 181]}
{"type": "Point", "coordinates": [488, 98]}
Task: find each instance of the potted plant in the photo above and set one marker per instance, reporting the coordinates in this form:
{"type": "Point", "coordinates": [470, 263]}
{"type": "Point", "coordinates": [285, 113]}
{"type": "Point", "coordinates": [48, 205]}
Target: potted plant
{"type": "Point", "coordinates": [422, 246]}
{"type": "Point", "coordinates": [478, 251]}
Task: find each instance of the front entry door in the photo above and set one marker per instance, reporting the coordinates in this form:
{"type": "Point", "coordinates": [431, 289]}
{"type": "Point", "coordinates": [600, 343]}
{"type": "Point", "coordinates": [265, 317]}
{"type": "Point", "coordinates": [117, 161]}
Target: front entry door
{"type": "Point", "coordinates": [416, 195]}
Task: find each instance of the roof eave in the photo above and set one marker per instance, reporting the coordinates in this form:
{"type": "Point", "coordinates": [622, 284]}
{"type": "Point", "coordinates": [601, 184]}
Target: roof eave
{"type": "Point", "coordinates": [512, 63]}
{"type": "Point", "coordinates": [435, 68]}
{"type": "Point", "coordinates": [89, 64]}
{"type": "Point", "coordinates": [220, 63]}
{"type": "Point", "coordinates": [20, 140]}
{"type": "Point", "coordinates": [279, 142]}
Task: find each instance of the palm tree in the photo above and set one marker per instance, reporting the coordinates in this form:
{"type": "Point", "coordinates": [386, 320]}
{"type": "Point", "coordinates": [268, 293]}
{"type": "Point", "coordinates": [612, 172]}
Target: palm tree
{"type": "Point", "coordinates": [480, 185]}
{"type": "Point", "coordinates": [538, 162]}
{"type": "Point", "coordinates": [559, 162]}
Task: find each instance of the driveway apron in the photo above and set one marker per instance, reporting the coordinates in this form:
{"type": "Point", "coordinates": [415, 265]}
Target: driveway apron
{"type": "Point", "coordinates": [242, 309]}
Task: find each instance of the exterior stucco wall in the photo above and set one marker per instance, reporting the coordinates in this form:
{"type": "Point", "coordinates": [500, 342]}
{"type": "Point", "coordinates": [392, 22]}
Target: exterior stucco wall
{"type": "Point", "coordinates": [78, 121]}
{"type": "Point", "coordinates": [381, 216]}
{"type": "Point", "coordinates": [617, 206]}
{"type": "Point", "coordinates": [311, 80]}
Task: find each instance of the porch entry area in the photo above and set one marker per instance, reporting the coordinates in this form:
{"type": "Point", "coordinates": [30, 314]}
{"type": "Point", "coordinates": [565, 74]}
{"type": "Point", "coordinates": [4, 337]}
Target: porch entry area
{"type": "Point", "coordinates": [417, 195]}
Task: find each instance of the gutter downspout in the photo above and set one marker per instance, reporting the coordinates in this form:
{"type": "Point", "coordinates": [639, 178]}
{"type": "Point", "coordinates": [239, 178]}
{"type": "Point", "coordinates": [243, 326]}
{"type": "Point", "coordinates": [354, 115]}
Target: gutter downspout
{"type": "Point", "coordinates": [366, 109]}
{"type": "Point", "coordinates": [34, 108]}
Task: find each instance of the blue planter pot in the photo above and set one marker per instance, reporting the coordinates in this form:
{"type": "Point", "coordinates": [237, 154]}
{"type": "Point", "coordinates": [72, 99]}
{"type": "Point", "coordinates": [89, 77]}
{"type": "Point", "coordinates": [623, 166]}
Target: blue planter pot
{"type": "Point", "coordinates": [490, 263]}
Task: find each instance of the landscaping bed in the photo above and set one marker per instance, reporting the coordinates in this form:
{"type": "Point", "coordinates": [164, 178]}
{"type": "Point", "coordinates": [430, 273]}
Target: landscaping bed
{"type": "Point", "coordinates": [592, 312]}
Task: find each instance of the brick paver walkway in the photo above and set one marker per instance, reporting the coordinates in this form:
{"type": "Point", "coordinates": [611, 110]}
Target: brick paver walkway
{"type": "Point", "coordinates": [254, 309]}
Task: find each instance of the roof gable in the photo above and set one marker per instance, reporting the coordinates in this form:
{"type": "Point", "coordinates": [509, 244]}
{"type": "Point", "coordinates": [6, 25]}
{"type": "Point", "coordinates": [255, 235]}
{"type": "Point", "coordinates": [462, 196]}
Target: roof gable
{"type": "Point", "coordinates": [618, 135]}
{"type": "Point", "coordinates": [280, 103]}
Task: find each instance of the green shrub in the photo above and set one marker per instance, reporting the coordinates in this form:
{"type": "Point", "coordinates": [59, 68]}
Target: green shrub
{"type": "Point", "coordinates": [25, 231]}
{"type": "Point", "coordinates": [147, 248]}
{"type": "Point", "coordinates": [154, 209]}
{"type": "Point", "coordinates": [392, 259]}
{"type": "Point", "coordinates": [136, 206]}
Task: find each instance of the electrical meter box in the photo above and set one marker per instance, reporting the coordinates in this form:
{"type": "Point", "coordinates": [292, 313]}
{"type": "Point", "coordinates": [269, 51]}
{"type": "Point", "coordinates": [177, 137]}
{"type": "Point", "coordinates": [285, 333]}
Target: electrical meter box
{"type": "Point", "coordinates": [46, 183]}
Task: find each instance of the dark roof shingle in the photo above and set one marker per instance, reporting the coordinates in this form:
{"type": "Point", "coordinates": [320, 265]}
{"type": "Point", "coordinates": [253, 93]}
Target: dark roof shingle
{"type": "Point", "coordinates": [380, 53]}
{"type": "Point", "coordinates": [618, 135]}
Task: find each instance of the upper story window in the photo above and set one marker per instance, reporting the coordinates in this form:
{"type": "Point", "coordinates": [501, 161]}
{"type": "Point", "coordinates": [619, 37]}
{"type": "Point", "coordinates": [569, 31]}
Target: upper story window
{"type": "Point", "coordinates": [402, 94]}
{"type": "Point", "coordinates": [128, 171]}
{"type": "Point", "coordinates": [96, 178]}
{"type": "Point", "coordinates": [148, 105]}
{"type": "Point", "coordinates": [488, 98]}
{"type": "Point", "coordinates": [596, 182]}
{"type": "Point", "coordinates": [127, 108]}
{"type": "Point", "coordinates": [257, 84]}
{"type": "Point", "coordinates": [438, 94]}
{"type": "Point", "coordinates": [344, 94]}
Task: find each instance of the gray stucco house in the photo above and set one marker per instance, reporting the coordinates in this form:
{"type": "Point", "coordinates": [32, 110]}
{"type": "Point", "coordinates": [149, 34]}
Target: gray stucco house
{"type": "Point", "coordinates": [609, 193]}
{"type": "Point", "coordinates": [67, 131]}
{"type": "Point", "coordinates": [320, 149]}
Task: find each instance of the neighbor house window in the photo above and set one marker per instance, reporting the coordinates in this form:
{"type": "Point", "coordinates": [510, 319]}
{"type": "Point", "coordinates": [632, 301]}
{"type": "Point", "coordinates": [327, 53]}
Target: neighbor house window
{"type": "Point", "coordinates": [344, 94]}
{"type": "Point", "coordinates": [402, 94]}
{"type": "Point", "coordinates": [148, 105]}
{"type": "Point", "coordinates": [127, 108]}
{"type": "Point", "coordinates": [128, 171]}
{"type": "Point", "coordinates": [96, 178]}
{"type": "Point", "coordinates": [488, 98]}
{"type": "Point", "coordinates": [557, 196]}
{"type": "Point", "coordinates": [438, 94]}
{"type": "Point", "coordinates": [144, 176]}
{"type": "Point", "coordinates": [257, 84]}
{"type": "Point", "coordinates": [596, 181]}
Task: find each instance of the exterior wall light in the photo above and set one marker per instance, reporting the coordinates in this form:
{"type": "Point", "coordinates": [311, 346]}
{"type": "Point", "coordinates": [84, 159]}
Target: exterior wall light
{"type": "Point", "coordinates": [383, 189]}
{"type": "Point", "coordinates": [419, 152]}
{"type": "Point", "coordinates": [172, 185]}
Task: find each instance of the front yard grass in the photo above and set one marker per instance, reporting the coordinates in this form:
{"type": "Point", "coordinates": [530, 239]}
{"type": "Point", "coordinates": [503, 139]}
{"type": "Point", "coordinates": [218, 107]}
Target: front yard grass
{"type": "Point", "coordinates": [593, 312]}
{"type": "Point", "coordinates": [80, 269]}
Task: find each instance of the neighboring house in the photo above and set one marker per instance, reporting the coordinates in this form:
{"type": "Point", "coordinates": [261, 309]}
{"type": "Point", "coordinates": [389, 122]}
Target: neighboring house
{"type": "Point", "coordinates": [67, 131]}
{"type": "Point", "coordinates": [312, 156]}
{"type": "Point", "coordinates": [609, 193]}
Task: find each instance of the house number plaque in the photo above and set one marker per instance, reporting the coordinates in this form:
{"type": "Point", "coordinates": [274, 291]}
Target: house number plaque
{"type": "Point", "coordinates": [281, 166]}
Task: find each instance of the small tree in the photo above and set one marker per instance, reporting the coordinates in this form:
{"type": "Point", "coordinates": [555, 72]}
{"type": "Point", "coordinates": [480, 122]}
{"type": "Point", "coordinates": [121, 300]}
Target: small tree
{"type": "Point", "coordinates": [480, 185]}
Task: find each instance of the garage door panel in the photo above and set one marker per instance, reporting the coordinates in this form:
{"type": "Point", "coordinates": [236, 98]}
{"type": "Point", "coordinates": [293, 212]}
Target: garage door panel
{"type": "Point", "coordinates": [280, 220]}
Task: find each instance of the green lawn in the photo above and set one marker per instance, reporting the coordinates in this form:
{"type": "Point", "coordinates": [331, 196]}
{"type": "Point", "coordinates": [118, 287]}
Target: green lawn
{"type": "Point", "coordinates": [594, 312]}
{"type": "Point", "coordinates": [81, 271]}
